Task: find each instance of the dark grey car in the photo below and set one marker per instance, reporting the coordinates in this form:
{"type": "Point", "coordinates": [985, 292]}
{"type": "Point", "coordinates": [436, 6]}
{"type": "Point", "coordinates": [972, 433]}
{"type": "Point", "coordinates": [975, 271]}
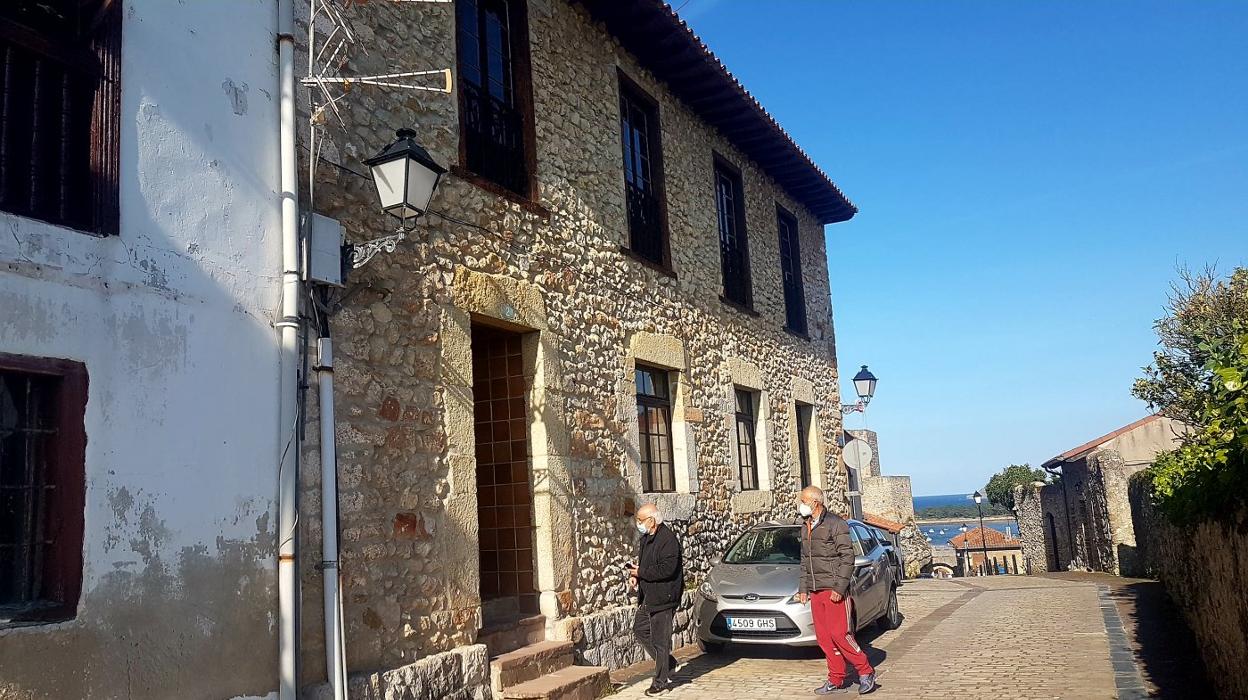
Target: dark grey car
{"type": "Point", "coordinates": [750, 596]}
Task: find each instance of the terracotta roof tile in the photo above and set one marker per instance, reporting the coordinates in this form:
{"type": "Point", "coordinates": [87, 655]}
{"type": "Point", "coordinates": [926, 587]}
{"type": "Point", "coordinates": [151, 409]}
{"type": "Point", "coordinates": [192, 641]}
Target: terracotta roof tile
{"type": "Point", "coordinates": [995, 539]}
{"type": "Point", "coordinates": [1077, 452]}
{"type": "Point", "coordinates": [882, 523]}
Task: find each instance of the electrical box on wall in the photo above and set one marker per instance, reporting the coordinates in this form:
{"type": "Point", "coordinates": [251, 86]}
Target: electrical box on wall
{"type": "Point", "coordinates": [323, 259]}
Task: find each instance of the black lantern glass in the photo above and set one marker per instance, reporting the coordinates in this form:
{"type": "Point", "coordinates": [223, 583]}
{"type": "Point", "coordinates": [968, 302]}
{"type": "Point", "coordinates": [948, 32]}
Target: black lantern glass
{"type": "Point", "coordinates": [406, 176]}
{"type": "Point", "coordinates": [864, 384]}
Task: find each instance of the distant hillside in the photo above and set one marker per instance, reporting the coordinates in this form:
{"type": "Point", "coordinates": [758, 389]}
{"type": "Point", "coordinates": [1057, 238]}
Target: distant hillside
{"type": "Point", "coordinates": [953, 499]}
{"type": "Point", "coordinates": [951, 506]}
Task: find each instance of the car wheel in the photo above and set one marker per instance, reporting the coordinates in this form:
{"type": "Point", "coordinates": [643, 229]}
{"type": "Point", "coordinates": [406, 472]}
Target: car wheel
{"type": "Point", "coordinates": [891, 619]}
{"type": "Point", "coordinates": [710, 647]}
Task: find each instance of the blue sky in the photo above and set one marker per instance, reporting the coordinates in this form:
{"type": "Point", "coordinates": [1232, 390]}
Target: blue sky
{"type": "Point", "coordinates": [1029, 176]}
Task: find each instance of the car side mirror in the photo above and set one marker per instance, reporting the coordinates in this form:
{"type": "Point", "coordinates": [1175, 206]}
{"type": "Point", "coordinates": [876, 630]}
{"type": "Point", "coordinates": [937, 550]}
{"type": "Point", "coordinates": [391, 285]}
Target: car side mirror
{"type": "Point", "coordinates": [715, 560]}
{"type": "Point", "coordinates": [861, 561]}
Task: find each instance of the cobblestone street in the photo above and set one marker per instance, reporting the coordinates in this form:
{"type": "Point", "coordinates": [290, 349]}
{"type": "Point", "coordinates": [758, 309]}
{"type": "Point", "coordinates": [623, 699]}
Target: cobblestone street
{"type": "Point", "coordinates": [1007, 637]}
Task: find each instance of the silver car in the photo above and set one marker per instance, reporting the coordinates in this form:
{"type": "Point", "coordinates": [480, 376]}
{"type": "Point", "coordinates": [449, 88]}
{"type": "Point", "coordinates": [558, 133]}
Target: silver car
{"type": "Point", "coordinates": [750, 595]}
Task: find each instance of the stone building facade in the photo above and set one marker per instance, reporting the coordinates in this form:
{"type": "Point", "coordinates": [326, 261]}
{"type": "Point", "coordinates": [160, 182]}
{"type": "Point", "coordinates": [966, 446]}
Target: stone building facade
{"type": "Point", "coordinates": [490, 456]}
{"type": "Point", "coordinates": [1084, 521]}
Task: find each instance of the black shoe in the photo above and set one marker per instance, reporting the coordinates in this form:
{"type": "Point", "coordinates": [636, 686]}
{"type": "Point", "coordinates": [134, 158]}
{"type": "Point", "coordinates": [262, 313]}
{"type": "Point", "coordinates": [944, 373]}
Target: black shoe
{"type": "Point", "coordinates": [830, 688]}
{"type": "Point", "coordinates": [656, 688]}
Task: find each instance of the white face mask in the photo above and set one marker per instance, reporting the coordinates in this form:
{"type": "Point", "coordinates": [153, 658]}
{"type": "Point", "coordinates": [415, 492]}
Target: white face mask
{"type": "Point", "coordinates": [642, 528]}
{"type": "Point", "coordinates": [805, 510]}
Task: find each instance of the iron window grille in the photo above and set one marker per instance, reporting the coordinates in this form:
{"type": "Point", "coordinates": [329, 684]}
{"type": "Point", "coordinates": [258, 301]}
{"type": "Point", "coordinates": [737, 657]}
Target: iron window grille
{"type": "Point", "coordinates": [654, 428]}
{"type": "Point", "coordinates": [733, 244]}
{"type": "Point", "coordinates": [643, 173]}
{"type": "Point", "coordinates": [791, 272]}
{"type": "Point", "coordinates": [60, 90]}
{"type": "Point", "coordinates": [494, 96]}
{"type": "Point", "coordinates": [41, 488]}
{"type": "Point", "coordinates": [747, 451]}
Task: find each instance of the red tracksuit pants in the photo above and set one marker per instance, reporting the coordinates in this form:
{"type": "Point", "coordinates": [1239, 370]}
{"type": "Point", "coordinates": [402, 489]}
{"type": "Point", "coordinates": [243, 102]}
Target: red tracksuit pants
{"type": "Point", "coordinates": [836, 638]}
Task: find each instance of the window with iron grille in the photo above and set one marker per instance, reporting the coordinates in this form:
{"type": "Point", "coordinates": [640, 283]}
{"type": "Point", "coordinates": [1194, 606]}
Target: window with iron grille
{"type": "Point", "coordinates": [654, 428]}
{"type": "Point", "coordinates": [41, 488]}
{"type": "Point", "coordinates": [733, 246]}
{"type": "Point", "coordinates": [747, 451]}
{"type": "Point", "coordinates": [60, 93]}
{"type": "Point", "coordinates": [791, 271]}
{"type": "Point", "coordinates": [643, 173]}
{"type": "Point", "coordinates": [494, 93]}
{"type": "Point", "coordinates": [804, 413]}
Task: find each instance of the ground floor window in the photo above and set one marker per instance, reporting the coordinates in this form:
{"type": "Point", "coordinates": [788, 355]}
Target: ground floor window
{"type": "Point", "coordinates": [41, 488]}
{"type": "Point", "coordinates": [747, 448]}
{"type": "Point", "coordinates": [654, 428]}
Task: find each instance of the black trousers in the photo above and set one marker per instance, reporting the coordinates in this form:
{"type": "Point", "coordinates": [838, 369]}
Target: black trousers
{"type": "Point", "coordinates": [654, 631]}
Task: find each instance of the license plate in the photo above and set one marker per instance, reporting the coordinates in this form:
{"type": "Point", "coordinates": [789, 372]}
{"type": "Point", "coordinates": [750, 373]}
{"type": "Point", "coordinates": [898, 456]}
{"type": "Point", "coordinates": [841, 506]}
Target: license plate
{"type": "Point", "coordinates": [752, 623]}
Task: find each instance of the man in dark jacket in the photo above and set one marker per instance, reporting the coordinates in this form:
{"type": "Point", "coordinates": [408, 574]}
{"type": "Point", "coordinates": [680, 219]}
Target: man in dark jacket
{"type": "Point", "coordinates": [827, 567]}
{"type": "Point", "coordinates": [659, 578]}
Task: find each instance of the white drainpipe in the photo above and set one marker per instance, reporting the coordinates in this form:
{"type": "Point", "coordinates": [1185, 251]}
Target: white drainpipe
{"type": "Point", "coordinates": [335, 646]}
{"type": "Point", "coordinates": [290, 326]}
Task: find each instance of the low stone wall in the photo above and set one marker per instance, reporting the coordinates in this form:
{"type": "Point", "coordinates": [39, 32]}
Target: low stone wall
{"type": "Point", "coordinates": [1205, 570]}
{"type": "Point", "coordinates": [606, 638]}
{"type": "Point", "coordinates": [462, 673]}
{"type": "Point", "coordinates": [916, 551]}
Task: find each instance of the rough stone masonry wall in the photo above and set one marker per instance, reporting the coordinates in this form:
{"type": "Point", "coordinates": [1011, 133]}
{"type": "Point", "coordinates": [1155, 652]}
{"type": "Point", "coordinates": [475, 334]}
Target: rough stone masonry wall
{"type": "Point", "coordinates": [888, 497]}
{"type": "Point", "coordinates": [407, 485]}
{"type": "Point", "coordinates": [1205, 570]}
{"type": "Point", "coordinates": [1032, 528]}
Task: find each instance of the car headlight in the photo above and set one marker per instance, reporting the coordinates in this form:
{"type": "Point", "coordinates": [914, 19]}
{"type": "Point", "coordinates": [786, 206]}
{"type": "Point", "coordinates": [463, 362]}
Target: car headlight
{"type": "Point", "coordinates": [707, 591]}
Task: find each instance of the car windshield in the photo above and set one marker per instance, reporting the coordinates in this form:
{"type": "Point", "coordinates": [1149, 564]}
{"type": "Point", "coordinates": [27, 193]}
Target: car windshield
{"type": "Point", "coordinates": [772, 545]}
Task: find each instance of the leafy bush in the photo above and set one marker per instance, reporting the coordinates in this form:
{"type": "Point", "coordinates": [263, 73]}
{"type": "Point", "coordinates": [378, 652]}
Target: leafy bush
{"type": "Point", "coordinates": [1199, 377]}
{"type": "Point", "coordinates": [1207, 476]}
{"type": "Point", "coordinates": [1000, 488]}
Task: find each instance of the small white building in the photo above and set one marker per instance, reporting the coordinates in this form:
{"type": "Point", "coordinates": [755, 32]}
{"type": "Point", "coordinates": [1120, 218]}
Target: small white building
{"type": "Point", "coordinates": [139, 279]}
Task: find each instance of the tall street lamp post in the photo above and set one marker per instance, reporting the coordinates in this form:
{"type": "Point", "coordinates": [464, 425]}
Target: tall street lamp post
{"type": "Point", "coordinates": [983, 540]}
{"type": "Point", "coordinates": [966, 552]}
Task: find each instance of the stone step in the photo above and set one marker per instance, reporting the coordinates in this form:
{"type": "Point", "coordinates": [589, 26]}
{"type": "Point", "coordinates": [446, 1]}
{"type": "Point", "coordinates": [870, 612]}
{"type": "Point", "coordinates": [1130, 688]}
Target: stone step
{"type": "Point", "coordinates": [571, 683]}
{"type": "Point", "coordinates": [528, 663]}
{"type": "Point", "coordinates": [502, 638]}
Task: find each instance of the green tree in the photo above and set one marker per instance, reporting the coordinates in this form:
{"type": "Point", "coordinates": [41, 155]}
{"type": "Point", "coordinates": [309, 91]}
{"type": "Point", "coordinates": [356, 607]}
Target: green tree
{"type": "Point", "coordinates": [1200, 376]}
{"type": "Point", "coordinates": [1000, 488]}
{"type": "Point", "coordinates": [1202, 310]}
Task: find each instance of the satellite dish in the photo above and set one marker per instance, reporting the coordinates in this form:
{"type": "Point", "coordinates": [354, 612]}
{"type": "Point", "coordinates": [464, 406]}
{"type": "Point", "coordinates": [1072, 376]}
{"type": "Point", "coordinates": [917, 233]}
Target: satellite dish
{"type": "Point", "coordinates": [858, 454]}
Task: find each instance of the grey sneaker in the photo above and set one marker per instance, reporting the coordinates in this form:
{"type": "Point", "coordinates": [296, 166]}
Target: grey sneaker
{"type": "Point", "coordinates": [867, 684]}
{"type": "Point", "coordinates": [830, 688]}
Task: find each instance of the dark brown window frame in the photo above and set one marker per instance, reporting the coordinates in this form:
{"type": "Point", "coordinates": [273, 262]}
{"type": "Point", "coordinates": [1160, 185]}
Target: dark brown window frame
{"type": "Point", "coordinates": [522, 87]}
{"type": "Point", "coordinates": [794, 308]}
{"type": "Point", "coordinates": [732, 172]}
{"type": "Point", "coordinates": [747, 439]}
{"type": "Point", "coordinates": [646, 460]}
{"type": "Point", "coordinates": [96, 58]}
{"type": "Point", "coordinates": [62, 566]}
{"type": "Point", "coordinates": [631, 91]}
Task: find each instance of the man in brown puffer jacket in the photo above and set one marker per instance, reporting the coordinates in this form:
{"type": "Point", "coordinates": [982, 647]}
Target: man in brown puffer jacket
{"type": "Point", "coordinates": [827, 567]}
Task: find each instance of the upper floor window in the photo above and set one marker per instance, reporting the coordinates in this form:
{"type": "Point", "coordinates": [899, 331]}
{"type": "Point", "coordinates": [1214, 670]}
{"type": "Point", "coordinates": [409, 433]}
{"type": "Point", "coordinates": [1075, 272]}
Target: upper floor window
{"type": "Point", "coordinates": [733, 247]}
{"type": "Point", "coordinates": [643, 173]}
{"type": "Point", "coordinates": [495, 104]}
{"type": "Point", "coordinates": [747, 447]}
{"type": "Point", "coordinates": [60, 87]}
{"type": "Point", "coordinates": [654, 427]}
{"type": "Point", "coordinates": [791, 271]}
{"type": "Point", "coordinates": [41, 488]}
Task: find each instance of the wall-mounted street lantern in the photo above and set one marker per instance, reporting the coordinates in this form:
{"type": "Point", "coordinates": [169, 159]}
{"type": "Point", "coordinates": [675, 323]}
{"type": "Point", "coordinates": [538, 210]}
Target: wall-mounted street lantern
{"type": "Point", "coordinates": [406, 177]}
{"type": "Point", "coordinates": [864, 386]}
